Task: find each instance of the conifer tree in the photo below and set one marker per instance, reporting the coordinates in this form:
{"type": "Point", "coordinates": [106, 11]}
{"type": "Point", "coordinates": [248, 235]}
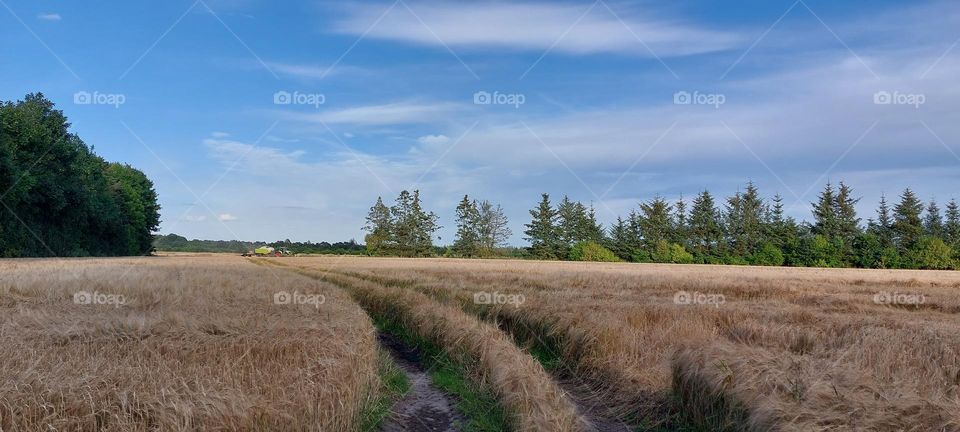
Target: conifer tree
{"type": "Point", "coordinates": [380, 229]}
{"type": "Point", "coordinates": [492, 230]}
{"type": "Point", "coordinates": [824, 213]}
{"type": "Point", "coordinates": [467, 241]}
{"type": "Point", "coordinates": [933, 221]}
{"type": "Point", "coordinates": [907, 225]}
{"type": "Point", "coordinates": [951, 228]}
{"type": "Point", "coordinates": [542, 231]}
{"type": "Point", "coordinates": [655, 222]}
{"type": "Point", "coordinates": [705, 232]}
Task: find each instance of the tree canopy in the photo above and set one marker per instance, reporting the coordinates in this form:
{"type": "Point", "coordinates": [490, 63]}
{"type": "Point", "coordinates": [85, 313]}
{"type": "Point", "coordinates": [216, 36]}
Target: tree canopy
{"type": "Point", "coordinates": [58, 198]}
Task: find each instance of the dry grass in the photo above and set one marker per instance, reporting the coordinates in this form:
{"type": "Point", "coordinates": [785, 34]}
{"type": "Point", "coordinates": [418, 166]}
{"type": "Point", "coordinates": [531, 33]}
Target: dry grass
{"type": "Point", "coordinates": [530, 396]}
{"type": "Point", "coordinates": [199, 345]}
{"type": "Point", "coordinates": [795, 349]}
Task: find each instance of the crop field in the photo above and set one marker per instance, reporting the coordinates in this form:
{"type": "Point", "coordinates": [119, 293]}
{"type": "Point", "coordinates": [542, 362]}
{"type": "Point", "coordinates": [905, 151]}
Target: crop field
{"type": "Point", "coordinates": [355, 343]}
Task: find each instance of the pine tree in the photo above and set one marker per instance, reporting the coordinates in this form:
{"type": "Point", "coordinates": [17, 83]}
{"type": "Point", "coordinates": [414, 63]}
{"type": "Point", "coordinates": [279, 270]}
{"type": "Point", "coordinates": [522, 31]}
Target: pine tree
{"type": "Point", "coordinates": [413, 227]}
{"type": "Point", "coordinates": [705, 232]}
{"type": "Point", "coordinates": [592, 229]}
{"type": "Point", "coordinates": [380, 228]}
{"type": "Point", "coordinates": [467, 242]}
{"type": "Point", "coordinates": [907, 225]}
{"type": "Point", "coordinates": [569, 220]}
{"type": "Point", "coordinates": [951, 229]}
{"type": "Point", "coordinates": [933, 221]}
{"type": "Point", "coordinates": [542, 231]}
{"type": "Point", "coordinates": [733, 223]}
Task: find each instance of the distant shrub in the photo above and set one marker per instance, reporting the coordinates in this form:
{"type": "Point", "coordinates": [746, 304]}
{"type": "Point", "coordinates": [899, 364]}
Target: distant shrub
{"type": "Point", "coordinates": [592, 251]}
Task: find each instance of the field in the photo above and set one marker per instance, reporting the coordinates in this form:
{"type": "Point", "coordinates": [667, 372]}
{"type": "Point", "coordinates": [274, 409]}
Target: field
{"type": "Point", "coordinates": [201, 343]}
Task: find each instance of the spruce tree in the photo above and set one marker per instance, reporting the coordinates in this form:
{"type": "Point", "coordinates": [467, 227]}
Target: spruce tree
{"type": "Point", "coordinates": [951, 229]}
{"type": "Point", "coordinates": [542, 231]}
{"type": "Point", "coordinates": [845, 214]}
{"type": "Point", "coordinates": [883, 227]}
{"type": "Point", "coordinates": [705, 232]}
{"type": "Point", "coordinates": [655, 222]}
{"type": "Point", "coordinates": [680, 217]}
{"type": "Point", "coordinates": [907, 225]}
{"type": "Point", "coordinates": [620, 240]}
{"type": "Point", "coordinates": [467, 242]}
{"type": "Point", "coordinates": [824, 213]}
{"type": "Point", "coordinates": [933, 221]}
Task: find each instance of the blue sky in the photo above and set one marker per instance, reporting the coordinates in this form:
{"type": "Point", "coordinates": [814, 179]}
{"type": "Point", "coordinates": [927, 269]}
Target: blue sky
{"type": "Point", "coordinates": [610, 102]}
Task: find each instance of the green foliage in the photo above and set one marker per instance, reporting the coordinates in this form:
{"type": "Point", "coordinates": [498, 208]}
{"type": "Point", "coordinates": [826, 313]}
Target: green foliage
{"type": "Point", "coordinates": [767, 255]}
{"type": "Point", "coordinates": [405, 229]}
{"type": "Point", "coordinates": [932, 253]}
{"type": "Point", "coordinates": [592, 251]}
{"type": "Point", "coordinates": [665, 252]}
{"type": "Point", "coordinates": [61, 199]}
{"type": "Point", "coordinates": [542, 231]}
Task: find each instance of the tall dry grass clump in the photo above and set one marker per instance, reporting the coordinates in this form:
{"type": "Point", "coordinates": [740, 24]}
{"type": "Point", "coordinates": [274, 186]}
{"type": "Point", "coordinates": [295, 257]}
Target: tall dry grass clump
{"type": "Point", "coordinates": [529, 395]}
{"type": "Point", "coordinates": [197, 344]}
{"type": "Point", "coordinates": [743, 348]}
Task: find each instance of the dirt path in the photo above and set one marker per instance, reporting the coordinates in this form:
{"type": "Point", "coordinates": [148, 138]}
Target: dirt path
{"type": "Point", "coordinates": [591, 409]}
{"type": "Point", "coordinates": [425, 408]}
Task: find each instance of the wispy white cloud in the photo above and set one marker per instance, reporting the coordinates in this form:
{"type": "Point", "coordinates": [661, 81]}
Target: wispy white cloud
{"type": "Point", "coordinates": [561, 27]}
{"type": "Point", "coordinates": [49, 17]}
{"type": "Point", "coordinates": [311, 71]}
{"type": "Point", "coordinates": [385, 114]}
{"type": "Point", "coordinates": [225, 217]}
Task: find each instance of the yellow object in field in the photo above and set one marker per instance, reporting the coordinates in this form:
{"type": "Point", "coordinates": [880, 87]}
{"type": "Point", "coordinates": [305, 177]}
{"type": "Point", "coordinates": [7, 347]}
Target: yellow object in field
{"type": "Point", "coordinates": [263, 250]}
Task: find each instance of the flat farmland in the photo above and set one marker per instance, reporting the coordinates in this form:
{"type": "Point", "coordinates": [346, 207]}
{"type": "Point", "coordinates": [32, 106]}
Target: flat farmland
{"type": "Point", "coordinates": [291, 343]}
{"type": "Point", "coordinates": [721, 347]}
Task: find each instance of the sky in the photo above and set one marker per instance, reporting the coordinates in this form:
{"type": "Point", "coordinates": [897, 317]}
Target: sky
{"type": "Point", "coordinates": [262, 120]}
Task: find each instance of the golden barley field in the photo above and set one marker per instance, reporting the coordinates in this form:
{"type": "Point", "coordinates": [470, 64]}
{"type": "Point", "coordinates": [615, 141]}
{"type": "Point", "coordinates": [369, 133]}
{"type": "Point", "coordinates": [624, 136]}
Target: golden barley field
{"type": "Point", "coordinates": [721, 347]}
{"type": "Point", "coordinates": [230, 343]}
{"type": "Point", "coordinates": [186, 343]}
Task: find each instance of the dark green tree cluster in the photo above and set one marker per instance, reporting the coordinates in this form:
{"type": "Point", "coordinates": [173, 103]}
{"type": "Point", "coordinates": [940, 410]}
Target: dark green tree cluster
{"type": "Point", "coordinates": [553, 232]}
{"type": "Point", "coordinates": [481, 229]}
{"type": "Point", "coordinates": [749, 229]}
{"type": "Point", "coordinates": [58, 198]}
{"type": "Point", "coordinates": [404, 229]}
{"type": "Point", "coordinates": [178, 243]}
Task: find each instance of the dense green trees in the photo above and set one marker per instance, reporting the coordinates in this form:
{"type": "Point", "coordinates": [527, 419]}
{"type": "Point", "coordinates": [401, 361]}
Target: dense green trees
{"type": "Point", "coordinates": [58, 198]}
{"type": "Point", "coordinates": [405, 229]}
{"type": "Point", "coordinates": [752, 230]}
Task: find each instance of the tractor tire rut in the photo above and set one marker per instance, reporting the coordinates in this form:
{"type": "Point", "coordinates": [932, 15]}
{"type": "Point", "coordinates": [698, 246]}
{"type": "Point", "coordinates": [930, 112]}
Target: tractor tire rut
{"type": "Point", "coordinates": [425, 408]}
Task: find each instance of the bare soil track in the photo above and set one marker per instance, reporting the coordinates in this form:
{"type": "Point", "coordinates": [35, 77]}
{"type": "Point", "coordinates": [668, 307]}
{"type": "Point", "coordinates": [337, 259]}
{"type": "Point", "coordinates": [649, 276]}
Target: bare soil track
{"type": "Point", "coordinates": [425, 408]}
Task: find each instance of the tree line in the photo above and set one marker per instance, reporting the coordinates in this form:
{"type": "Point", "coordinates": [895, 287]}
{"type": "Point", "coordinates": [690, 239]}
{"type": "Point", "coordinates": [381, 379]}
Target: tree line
{"type": "Point", "coordinates": [58, 198]}
{"type": "Point", "coordinates": [178, 243]}
{"type": "Point", "coordinates": [744, 229]}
